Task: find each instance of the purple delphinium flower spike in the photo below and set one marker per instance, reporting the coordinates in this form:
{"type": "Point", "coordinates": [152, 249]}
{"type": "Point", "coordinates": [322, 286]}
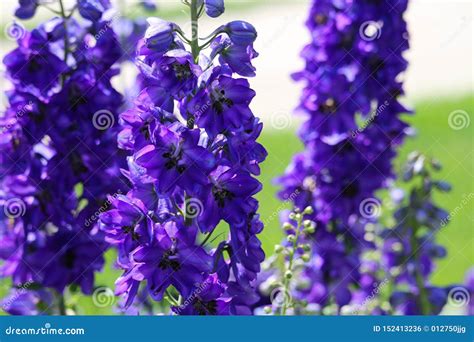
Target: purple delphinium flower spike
{"type": "Point", "coordinates": [57, 153]}
{"type": "Point", "coordinates": [191, 139]}
{"type": "Point", "coordinates": [350, 102]}
{"type": "Point", "coordinates": [409, 248]}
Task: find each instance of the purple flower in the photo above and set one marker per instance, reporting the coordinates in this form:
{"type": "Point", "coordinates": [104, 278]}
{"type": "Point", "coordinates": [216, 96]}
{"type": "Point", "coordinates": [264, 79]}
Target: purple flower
{"type": "Point", "coordinates": [93, 9]}
{"type": "Point", "coordinates": [208, 298]}
{"type": "Point", "coordinates": [27, 9]}
{"type": "Point", "coordinates": [159, 35]}
{"type": "Point", "coordinates": [175, 158]}
{"type": "Point", "coordinates": [227, 197]}
{"type": "Point", "coordinates": [149, 5]}
{"type": "Point", "coordinates": [28, 302]}
{"type": "Point", "coordinates": [237, 57]}
{"type": "Point", "coordinates": [176, 72]}
{"type": "Point", "coordinates": [241, 32]}
{"type": "Point", "coordinates": [223, 104]}
{"type": "Point", "coordinates": [127, 221]}
{"type": "Point", "coordinates": [214, 8]}
{"type": "Point", "coordinates": [170, 259]}
{"type": "Point", "coordinates": [34, 67]}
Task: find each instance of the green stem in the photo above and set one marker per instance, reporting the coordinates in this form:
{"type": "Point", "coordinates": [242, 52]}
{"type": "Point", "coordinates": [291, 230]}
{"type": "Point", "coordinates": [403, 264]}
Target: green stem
{"type": "Point", "coordinates": [194, 29]}
{"type": "Point", "coordinates": [66, 37]}
{"type": "Point", "coordinates": [207, 238]}
{"type": "Point", "coordinates": [423, 301]}
{"type": "Point", "coordinates": [61, 305]}
{"type": "Point", "coordinates": [291, 257]}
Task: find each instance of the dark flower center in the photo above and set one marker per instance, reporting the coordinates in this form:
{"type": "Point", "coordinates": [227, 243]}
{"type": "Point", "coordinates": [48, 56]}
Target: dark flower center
{"type": "Point", "coordinates": [320, 19]}
{"type": "Point", "coordinates": [205, 308]}
{"type": "Point", "coordinates": [328, 107]}
{"type": "Point", "coordinates": [182, 71]}
{"type": "Point", "coordinates": [219, 101]}
{"type": "Point", "coordinates": [75, 97]}
{"type": "Point", "coordinates": [173, 159]}
{"type": "Point", "coordinates": [221, 195]}
{"type": "Point", "coordinates": [77, 164]}
{"type": "Point", "coordinates": [33, 64]}
{"type": "Point", "coordinates": [168, 260]}
{"type": "Point", "coordinates": [130, 230]}
{"type": "Point", "coordinates": [347, 41]}
{"type": "Point", "coordinates": [144, 131]}
{"type": "Point", "coordinates": [351, 190]}
{"type": "Point", "coordinates": [68, 259]}
{"type": "Point", "coordinates": [375, 63]}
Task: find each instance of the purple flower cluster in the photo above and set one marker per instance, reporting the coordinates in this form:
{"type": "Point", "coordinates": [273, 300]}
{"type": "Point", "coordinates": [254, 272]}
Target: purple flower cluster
{"type": "Point", "coordinates": [193, 158]}
{"type": "Point", "coordinates": [352, 127]}
{"type": "Point", "coordinates": [57, 148]}
{"type": "Point", "coordinates": [409, 249]}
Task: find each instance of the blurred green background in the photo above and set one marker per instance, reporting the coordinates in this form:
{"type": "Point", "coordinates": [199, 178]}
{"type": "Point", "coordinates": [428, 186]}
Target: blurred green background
{"type": "Point", "coordinates": [277, 94]}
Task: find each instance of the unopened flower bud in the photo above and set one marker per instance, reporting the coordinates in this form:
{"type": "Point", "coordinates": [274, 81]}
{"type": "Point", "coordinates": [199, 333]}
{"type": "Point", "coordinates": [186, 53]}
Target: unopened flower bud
{"type": "Point", "coordinates": [278, 248]}
{"type": "Point", "coordinates": [305, 257]}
